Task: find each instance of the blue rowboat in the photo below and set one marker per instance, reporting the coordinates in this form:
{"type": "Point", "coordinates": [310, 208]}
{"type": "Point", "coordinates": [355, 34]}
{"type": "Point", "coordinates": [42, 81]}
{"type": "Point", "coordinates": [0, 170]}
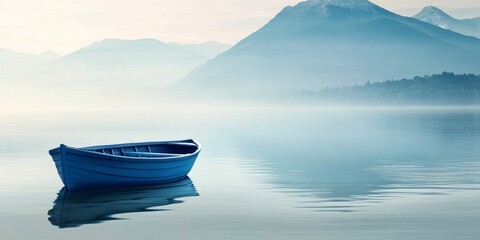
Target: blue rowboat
{"type": "Point", "coordinates": [76, 208]}
{"type": "Point", "coordinates": [122, 165]}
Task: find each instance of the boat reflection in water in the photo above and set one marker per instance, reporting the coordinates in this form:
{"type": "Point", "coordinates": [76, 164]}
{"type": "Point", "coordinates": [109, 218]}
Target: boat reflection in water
{"type": "Point", "coordinates": [73, 209]}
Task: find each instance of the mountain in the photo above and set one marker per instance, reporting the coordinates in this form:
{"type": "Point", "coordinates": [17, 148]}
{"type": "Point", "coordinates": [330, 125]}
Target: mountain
{"type": "Point", "coordinates": [13, 64]}
{"type": "Point", "coordinates": [437, 17]}
{"type": "Point", "coordinates": [208, 49]}
{"type": "Point", "coordinates": [125, 62]}
{"type": "Point", "coordinates": [48, 55]}
{"type": "Point", "coordinates": [320, 43]}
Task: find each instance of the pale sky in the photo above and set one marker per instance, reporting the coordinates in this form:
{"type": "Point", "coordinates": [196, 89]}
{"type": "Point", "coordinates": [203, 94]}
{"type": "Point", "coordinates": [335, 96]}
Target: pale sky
{"type": "Point", "coordinates": [34, 26]}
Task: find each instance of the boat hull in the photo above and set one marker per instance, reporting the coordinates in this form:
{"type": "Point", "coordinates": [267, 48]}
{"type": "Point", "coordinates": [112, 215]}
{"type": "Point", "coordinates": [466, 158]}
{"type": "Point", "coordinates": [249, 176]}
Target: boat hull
{"type": "Point", "coordinates": [84, 169]}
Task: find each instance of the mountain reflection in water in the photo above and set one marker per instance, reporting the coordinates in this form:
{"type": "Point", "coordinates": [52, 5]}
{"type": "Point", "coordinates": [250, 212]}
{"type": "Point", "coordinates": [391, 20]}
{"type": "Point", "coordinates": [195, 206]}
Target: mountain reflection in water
{"type": "Point", "coordinates": [342, 161]}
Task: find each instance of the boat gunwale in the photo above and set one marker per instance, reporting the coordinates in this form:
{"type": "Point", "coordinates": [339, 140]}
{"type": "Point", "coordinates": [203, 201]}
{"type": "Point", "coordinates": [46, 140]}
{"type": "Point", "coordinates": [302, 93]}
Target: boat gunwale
{"type": "Point", "coordinates": [86, 151]}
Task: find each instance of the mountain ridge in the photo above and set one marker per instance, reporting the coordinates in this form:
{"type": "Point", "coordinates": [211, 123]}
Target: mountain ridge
{"type": "Point", "coordinates": [316, 44]}
{"type": "Point", "coordinates": [438, 17]}
{"type": "Point", "coordinates": [122, 50]}
{"type": "Point", "coordinates": [15, 64]}
{"type": "Point", "coordinates": [111, 62]}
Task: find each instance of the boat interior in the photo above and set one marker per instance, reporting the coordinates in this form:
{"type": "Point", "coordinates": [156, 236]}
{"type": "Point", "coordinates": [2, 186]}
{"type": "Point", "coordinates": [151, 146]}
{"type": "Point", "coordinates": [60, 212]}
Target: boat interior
{"type": "Point", "coordinates": [172, 149]}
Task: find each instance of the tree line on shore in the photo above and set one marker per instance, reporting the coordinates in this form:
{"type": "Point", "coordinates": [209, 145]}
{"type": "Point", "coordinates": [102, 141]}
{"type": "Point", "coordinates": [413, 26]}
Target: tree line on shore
{"type": "Point", "coordinates": [439, 89]}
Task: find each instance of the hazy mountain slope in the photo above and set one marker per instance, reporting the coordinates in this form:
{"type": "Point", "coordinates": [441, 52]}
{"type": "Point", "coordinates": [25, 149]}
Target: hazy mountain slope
{"type": "Point", "coordinates": [436, 16]}
{"type": "Point", "coordinates": [14, 64]}
{"type": "Point", "coordinates": [321, 43]}
{"type": "Point", "coordinates": [125, 62]}
{"type": "Point", "coordinates": [208, 49]}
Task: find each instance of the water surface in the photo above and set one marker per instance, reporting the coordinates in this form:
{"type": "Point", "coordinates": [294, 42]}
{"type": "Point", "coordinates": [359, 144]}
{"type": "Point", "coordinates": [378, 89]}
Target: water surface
{"type": "Point", "coordinates": [304, 173]}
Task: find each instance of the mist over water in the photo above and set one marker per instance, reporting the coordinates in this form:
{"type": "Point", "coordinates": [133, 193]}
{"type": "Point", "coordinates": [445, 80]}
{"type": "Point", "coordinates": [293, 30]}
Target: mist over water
{"type": "Point", "coordinates": [297, 142]}
{"type": "Point", "coordinates": [395, 173]}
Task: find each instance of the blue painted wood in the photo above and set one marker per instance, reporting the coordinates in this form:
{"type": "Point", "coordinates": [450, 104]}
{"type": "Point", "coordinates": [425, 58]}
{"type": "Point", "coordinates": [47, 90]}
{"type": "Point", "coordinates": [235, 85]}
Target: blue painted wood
{"type": "Point", "coordinates": [123, 165]}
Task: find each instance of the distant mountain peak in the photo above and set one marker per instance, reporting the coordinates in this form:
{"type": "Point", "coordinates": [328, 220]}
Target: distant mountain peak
{"type": "Point", "coordinates": [354, 4]}
{"type": "Point", "coordinates": [321, 6]}
{"type": "Point", "coordinates": [319, 43]}
{"type": "Point", "coordinates": [48, 55]}
{"type": "Point", "coordinates": [432, 8]}
{"type": "Point", "coordinates": [435, 15]}
{"type": "Point", "coordinates": [313, 12]}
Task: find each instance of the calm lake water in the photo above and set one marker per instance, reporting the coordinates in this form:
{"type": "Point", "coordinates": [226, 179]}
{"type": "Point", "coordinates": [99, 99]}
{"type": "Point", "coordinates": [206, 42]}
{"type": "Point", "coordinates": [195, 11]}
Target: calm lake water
{"type": "Point", "coordinates": [263, 174]}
